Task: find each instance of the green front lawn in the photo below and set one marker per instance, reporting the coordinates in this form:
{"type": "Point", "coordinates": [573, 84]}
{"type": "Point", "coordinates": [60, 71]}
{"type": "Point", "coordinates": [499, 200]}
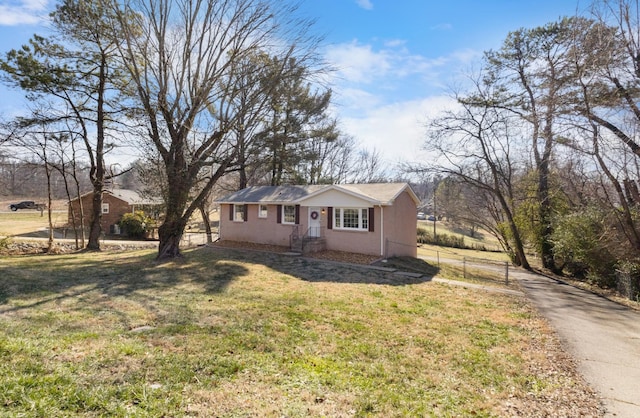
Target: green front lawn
{"type": "Point", "coordinates": [235, 334]}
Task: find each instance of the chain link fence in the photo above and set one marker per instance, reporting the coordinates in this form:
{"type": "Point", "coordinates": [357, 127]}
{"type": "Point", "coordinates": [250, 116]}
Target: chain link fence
{"type": "Point", "coordinates": [476, 268]}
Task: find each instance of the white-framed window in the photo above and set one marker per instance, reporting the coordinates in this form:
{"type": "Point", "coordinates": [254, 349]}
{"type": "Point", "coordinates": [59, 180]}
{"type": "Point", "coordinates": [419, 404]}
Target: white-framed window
{"type": "Point", "coordinates": [288, 214]}
{"type": "Point", "coordinates": [105, 208]}
{"type": "Point", "coordinates": [238, 213]}
{"type": "Point", "coordinates": [351, 218]}
{"type": "Point", "coordinates": [262, 211]}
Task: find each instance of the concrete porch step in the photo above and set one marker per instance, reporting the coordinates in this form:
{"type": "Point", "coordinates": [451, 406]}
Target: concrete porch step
{"type": "Point", "coordinates": [314, 245]}
{"type": "Point", "coordinates": [297, 245]}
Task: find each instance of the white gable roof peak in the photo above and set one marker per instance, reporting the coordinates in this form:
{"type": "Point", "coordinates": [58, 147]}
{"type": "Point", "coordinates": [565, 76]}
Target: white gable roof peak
{"type": "Point", "coordinates": [340, 189]}
{"type": "Point", "coordinates": [374, 193]}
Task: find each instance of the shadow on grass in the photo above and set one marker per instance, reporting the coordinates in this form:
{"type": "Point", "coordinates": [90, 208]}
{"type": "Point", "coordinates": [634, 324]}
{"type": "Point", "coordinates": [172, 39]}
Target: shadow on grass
{"type": "Point", "coordinates": [32, 281]}
{"type": "Point", "coordinates": [393, 273]}
{"type": "Point", "coordinates": [39, 279]}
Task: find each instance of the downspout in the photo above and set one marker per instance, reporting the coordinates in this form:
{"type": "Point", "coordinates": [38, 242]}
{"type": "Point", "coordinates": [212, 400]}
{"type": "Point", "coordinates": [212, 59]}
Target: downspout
{"type": "Point", "coordinates": [219, 222]}
{"type": "Point", "coordinates": [382, 231]}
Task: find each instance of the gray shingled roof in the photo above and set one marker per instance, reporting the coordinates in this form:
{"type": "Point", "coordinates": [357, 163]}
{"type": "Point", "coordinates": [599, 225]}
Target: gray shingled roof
{"type": "Point", "coordinates": [380, 193]}
{"type": "Point", "coordinates": [271, 194]}
{"type": "Point", "coordinates": [132, 197]}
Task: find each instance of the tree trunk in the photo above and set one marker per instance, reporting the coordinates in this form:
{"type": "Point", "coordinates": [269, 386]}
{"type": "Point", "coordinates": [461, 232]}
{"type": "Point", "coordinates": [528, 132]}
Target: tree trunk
{"type": "Point", "coordinates": [207, 223]}
{"type": "Point", "coordinates": [72, 211]}
{"type": "Point", "coordinates": [95, 228]}
{"type": "Point", "coordinates": [171, 231]}
{"type": "Point", "coordinates": [519, 254]}
{"type": "Point", "coordinates": [242, 164]}
{"type": "Point", "coordinates": [521, 257]}
{"type": "Point", "coordinates": [83, 231]}
{"type": "Point", "coordinates": [544, 200]}
{"type": "Point", "coordinates": [81, 222]}
{"type": "Point", "coordinates": [544, 212]}
{"type": "Point", "coordinates": [170, 234]}
{"type": "Point", "coordinates": [74, 221]}
{"type": "Point", "coordinates": [47, 170]}
{"type": "Point", "coordinates": [97, 170]}
{"type": "Point", "coordinates": [243, 177]}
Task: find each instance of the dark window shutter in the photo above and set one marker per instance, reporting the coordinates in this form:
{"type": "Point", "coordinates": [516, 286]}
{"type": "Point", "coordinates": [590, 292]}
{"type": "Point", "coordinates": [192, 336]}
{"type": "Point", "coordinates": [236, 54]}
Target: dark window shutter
{"type": "Point", "coordinates": [279, 214]}
{"type": "Point", "coordinates": [330, 217]}
{"type": "Point", "coordinates": [231, 212]}
{"type": "Point", "coordinates": [297, 214]}
{"type": "Point", "coordinates": [371, 211]}
{"type": "Point", "coordinates": [246, 212]}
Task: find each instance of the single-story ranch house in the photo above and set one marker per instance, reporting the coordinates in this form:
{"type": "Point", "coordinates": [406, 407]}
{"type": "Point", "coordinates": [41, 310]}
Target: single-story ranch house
{"type": "Point", "coordinates": [115, 203]}
{"type": "Point", "coordinates": [376, 219]}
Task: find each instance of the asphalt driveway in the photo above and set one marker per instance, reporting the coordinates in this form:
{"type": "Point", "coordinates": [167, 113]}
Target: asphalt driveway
{"type": "Point", "coordinates": [603, 336]}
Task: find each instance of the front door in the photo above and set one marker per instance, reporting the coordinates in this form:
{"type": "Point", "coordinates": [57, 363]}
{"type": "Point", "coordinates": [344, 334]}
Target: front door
{"type": "Point", "coordinates": [315, 222]}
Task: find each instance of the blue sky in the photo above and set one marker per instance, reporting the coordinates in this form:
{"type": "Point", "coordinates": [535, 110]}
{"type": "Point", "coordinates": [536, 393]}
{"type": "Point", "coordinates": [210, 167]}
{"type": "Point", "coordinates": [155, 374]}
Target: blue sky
{"type": "Point", "coordinates": [395, 59]}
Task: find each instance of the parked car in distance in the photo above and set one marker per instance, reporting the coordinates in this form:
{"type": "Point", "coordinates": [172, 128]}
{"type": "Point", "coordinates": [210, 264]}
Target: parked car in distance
{"type": "Point", "coordinates": [27, 204]}
{"type": "Point", "coordinates": [422, 216]}
{"type": "Point", "coordinates": [431, 218]}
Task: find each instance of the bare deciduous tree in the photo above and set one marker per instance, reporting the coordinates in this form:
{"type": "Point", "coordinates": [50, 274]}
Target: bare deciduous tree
{"type": "Point", "coordinates": [474, 145]}
{"type": "Point", "coordinates": [180, 57]}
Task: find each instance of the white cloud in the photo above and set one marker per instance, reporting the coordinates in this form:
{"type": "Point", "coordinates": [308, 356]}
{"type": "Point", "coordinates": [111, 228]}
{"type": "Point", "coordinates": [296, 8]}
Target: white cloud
{"type": "Point", "coordinates": [365, 4]}
{"type": "Point", "coordinates": [358, 63]}
{"type": "Point", "coordinates": [35, 4]}
{"type": "Point", "coordinates": [358, 101]}
{"type": "Point", "coordinates": [27, 12]}
{"type": "Point", "coordinates": [361, 63]}
{"type": "Point", "coordinates": [396, 130]}
{"type": "Point", "coordinates": [384, 96]}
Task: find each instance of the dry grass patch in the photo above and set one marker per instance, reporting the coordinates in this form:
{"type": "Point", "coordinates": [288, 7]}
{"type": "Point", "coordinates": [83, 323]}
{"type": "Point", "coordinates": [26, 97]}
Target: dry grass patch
{"type": "Point", "coordinates": [28, 221]}
{"type": "Point", "coordinates": [231, 333]}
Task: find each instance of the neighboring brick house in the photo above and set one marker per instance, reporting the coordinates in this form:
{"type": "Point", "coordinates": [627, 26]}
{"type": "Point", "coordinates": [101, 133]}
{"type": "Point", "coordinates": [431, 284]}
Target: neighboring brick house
{"type": "Point", "coordinates": [377, 219]}
{"type": "Point", "coordinates": [115, 203]}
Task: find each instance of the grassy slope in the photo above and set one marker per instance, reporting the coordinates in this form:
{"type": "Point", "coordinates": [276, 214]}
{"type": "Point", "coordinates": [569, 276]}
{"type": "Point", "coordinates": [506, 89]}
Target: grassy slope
{"type": "Point", "coordinates": [480, 238]}
{"type": "Point", "coordinates": [226, 333]}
